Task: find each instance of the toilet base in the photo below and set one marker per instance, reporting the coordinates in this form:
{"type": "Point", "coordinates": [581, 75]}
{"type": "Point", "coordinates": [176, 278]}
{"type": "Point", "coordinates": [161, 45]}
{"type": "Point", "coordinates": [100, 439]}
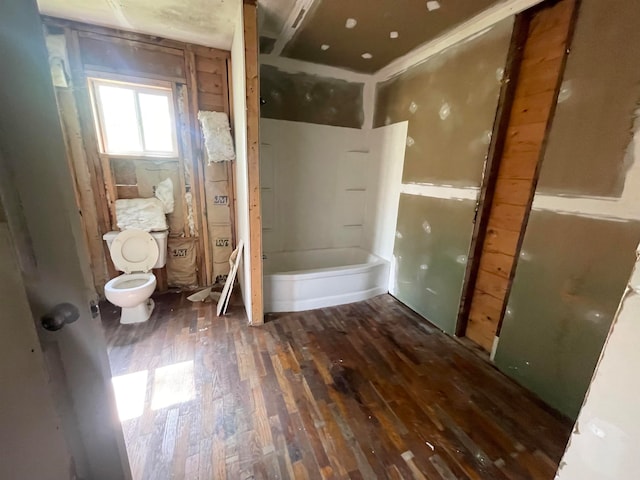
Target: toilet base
{"type": "Point", "coordinates": [138, 314]}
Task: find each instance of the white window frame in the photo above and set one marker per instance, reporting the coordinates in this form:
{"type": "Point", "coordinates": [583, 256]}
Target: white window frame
{"type": "Point", "coordinates": [142, 86]}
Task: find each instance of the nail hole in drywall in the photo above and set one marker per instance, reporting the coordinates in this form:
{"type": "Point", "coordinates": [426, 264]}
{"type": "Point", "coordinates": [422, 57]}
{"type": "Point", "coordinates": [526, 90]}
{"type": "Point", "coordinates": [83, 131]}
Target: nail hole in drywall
{"type": "Point", "coordinates": [445, 111]}
{"type": "Point", "coordinates": [393, 35]}
{"type": "Point", "coordinates": [351, 23]}
{"type": "Point", "coordinates": [433, 5]}
{"type": "Point", "coordinates": [367, 56]}
{"type": "Point", "coordinates": [324, 47]}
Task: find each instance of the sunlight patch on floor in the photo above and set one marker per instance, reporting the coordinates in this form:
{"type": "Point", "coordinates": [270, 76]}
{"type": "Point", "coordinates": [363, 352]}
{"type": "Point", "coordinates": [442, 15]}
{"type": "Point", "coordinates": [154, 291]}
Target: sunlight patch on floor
{"type": "Point", "coordinates": [173, 384]}
{"type": "Point", "coordinates": [130, 393]}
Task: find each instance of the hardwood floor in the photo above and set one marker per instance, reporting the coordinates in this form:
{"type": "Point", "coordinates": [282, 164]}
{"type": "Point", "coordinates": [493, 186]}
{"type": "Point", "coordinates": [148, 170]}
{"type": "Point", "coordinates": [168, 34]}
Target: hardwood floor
{"type": "Point", "coordinates": [360, 391]}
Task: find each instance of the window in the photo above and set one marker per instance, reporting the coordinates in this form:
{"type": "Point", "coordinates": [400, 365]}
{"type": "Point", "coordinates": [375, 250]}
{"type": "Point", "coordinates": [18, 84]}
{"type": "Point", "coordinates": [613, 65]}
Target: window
{"type": "Point", "coordinates": [134, 119]}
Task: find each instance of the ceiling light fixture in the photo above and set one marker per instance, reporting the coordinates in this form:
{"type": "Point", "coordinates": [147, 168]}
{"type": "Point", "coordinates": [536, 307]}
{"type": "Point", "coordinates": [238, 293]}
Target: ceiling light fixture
{"type": "Point", "coordinates": [367, 56]}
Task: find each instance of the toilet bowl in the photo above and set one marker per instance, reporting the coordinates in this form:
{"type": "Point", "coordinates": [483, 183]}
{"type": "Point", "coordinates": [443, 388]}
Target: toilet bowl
{"type": "Point", "coordinates": [131, 291]}
{"type": "Point", "coordinates": [136, 253]}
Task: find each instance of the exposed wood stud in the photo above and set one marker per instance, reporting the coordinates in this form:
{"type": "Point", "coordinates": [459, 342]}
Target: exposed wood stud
{"type": "Point", "coordinates": [529, 120]}
{"type": "Point", "coordinates": [231, 165]}
{"type": "Point", "coordinates": [205, 261]}
{"type": "Point", "coordinates": [507, 92]}
{"type": "Point", "coordinates": [253, 160]}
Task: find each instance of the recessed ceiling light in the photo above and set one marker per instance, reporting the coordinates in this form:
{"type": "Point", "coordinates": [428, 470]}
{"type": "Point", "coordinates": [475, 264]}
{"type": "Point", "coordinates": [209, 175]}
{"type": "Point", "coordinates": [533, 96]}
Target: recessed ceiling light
{"type": "Point", "coordinates": [351, 22]}
{"type": "Point", "coordinates": [393, 34]}
{"type": "Point", "coordinates": [367, 56]}
{"type": "Point", "coordinates": [433, 5]}
{"type": "Point", "coordinates": [324, 46]}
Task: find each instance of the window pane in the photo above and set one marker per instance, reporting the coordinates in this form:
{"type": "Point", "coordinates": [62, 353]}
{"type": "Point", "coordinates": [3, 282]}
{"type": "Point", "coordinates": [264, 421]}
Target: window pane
{"type": "Point", "coordinates": [119, 115]}
{"type": "Point", "coordinates": [156, 122]}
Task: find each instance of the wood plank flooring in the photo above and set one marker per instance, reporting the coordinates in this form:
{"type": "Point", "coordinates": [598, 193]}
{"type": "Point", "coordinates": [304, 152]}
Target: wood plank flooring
{"type": "Point", "coordinates": [360, 391]}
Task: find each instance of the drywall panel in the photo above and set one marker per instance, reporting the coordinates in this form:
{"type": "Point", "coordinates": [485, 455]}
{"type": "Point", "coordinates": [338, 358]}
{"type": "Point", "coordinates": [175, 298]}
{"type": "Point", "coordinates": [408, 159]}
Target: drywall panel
{"type": "Point", "coordinates": [387, 152]}
{"type": "Point", "coordinates": [303, 97]}
{"type": "Point", "coordinates": [351, 29]}
{"type": "Point", "coordinates": [604, 443]}
{"type": "Point", "coordinates": [315, 180]}
{"type": "Point", "coordinates": [240, 138]}
{"type": "Point", "coordinates": [571, 274]}
{"type": "Point", "coordinates": [450, 102]}
{"type": "Point", "coordinates": [599, 95]}
{"type": "Point", "coordinates": [430, 256]}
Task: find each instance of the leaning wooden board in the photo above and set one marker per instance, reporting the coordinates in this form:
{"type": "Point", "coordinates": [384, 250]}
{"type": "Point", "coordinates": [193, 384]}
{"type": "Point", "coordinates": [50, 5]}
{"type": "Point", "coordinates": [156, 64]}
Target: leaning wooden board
{"type": "Point", "coordinates": [234, 262]}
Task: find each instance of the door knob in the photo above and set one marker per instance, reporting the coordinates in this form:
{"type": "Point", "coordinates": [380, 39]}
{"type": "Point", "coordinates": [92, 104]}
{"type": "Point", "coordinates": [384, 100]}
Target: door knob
{"type": "Point", "coordinates": [61, 314]}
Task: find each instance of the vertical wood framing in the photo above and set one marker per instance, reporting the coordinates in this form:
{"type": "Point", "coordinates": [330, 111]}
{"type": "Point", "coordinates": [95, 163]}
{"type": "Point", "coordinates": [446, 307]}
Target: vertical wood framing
{"type": "Point", "coordinates": [94, 164]}
{"type": "Point", "coordinates": [483, 209]}
{"type": "Point", "coordinates": [253, 159]}
{"type": "Point", "coordinates": [205, 263]}
{"type": "Point", "coordinates": [523, 139]}
{"type": "Point", "coordinates": [571, 8]}
{"type": "Point", "coordinates": [230, 165]}
{"type": "Point", "coordinates": [182, 154]}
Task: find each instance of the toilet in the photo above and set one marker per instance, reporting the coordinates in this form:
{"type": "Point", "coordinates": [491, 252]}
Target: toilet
{"type": "Point", "coordinates": [136, 253]}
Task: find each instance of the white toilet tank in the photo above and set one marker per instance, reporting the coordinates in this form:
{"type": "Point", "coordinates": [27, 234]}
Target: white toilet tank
{"type": "Point", "coordinates": [160, 238]}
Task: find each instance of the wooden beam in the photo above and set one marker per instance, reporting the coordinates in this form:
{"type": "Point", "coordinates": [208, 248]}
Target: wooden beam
{"type": "Point", "coordinates": [529, 119]}
{"type": "Point", "coordinates": [205, 263]}
{"type": "Point", "coordinates": [253, 159]}
{"type": "Point", "coordinates": [500, 126]}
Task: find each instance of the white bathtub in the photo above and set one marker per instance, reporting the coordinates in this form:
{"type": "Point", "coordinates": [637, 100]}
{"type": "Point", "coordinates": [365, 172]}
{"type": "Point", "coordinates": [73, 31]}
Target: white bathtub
{"type": "Point", "coordinates": [304, 280]}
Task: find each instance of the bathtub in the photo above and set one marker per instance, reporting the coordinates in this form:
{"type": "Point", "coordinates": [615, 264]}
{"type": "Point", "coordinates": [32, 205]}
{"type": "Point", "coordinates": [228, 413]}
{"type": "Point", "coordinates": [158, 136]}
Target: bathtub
{"type": "Point", "coordinates": [304, 280]}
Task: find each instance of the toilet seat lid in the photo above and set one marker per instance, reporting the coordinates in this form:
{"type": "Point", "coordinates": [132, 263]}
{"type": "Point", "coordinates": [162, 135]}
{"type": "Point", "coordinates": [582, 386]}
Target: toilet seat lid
{"type": "Point", "coordinates": [134, 251]}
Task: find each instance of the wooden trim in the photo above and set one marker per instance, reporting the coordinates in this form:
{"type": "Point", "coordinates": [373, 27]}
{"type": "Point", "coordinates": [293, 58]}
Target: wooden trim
{"type": "Point", "coordinates": [205, 264]}
{"type": "Point", "coordinates": [253, 160]}
{"type": "Point", "coordinates": [536, 175]}
{"type": "Point", "coordinates": [485, 200]}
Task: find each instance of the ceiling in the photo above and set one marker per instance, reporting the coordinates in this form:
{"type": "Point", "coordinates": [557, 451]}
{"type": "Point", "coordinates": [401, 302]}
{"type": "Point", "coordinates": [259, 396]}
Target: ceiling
{"type": "Point", "coordinates": [202, 22]}
{"type": "Point", "coordinates": [367, 35]}
{"type": "Point", "coordinates": [381, 30]}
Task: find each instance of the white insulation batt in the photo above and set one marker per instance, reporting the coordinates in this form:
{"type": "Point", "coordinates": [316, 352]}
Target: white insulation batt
{"type": "Point", "coordinates": [141, 213]}
{"type": "Point", "coordinates": [217, 136]}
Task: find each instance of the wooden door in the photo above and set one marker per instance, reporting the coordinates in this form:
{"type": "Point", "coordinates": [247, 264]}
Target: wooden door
{"type": "Point", "coordinates": [45, 264]}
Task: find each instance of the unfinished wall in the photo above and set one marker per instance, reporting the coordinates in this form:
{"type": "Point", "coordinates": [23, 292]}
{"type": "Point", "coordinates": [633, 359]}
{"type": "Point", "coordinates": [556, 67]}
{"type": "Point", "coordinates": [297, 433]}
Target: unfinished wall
{"type": "Point", "coordinates": [604, 442]}
{"type": "Point", "coordinates": [578, 252]}
{"type": "Point", "coordinates": [600, 91]}
{"type": "Point", "coordinates": [303, 97]}
{"type": "Point", "coordinates": [536, 78]}
{"type": "Point", "coordinates": [201, 221]}
{"type": "Point", "coordinates": [450, 104]}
